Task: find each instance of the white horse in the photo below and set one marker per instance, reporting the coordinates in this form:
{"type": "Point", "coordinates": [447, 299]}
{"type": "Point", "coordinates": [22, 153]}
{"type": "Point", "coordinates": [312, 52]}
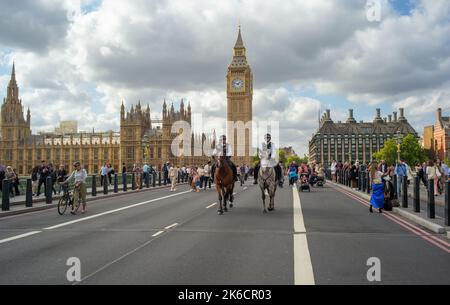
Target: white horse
{"type": "Point", "coordinates": [267, 181]}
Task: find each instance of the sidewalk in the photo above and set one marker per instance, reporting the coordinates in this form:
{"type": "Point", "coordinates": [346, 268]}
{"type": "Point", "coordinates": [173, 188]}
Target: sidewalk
{"type": "Point", "coordinates": [436, 225]}
{"type": "Point", "coordinates": [18, 206]}
{"type": "Point", "coordinates": [439, 200]}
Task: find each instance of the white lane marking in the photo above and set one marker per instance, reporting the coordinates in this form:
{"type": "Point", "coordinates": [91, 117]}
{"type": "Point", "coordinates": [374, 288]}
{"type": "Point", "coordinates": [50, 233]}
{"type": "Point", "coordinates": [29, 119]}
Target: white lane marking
{"type": "Point", "coordinates": [19, 236]}
{"type": "Point", "coordinates": [157, 233]}
{"type": "Point", "coordinates": [113, 211]}
{"type": "Point", "coordinates": [171, 226]}
{"type": "Point", "coordinates": [303, 269]}
{"type": "Point", "coordinates": [211, 205]}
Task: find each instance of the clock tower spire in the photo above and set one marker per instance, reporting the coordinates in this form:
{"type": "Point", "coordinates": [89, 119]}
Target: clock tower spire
{"type": "Point", "coordinates": [239, 103]}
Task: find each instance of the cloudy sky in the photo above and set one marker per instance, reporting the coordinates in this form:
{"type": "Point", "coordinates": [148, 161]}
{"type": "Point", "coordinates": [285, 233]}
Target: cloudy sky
{"type": "Point", "coordinates": [78, 59]}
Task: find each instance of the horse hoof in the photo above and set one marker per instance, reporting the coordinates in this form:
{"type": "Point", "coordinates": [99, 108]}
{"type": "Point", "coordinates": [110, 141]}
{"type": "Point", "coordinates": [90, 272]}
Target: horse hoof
{"type": "Point", "coordinates": [271, 209]}
{"type": "Point", "coordinates": [220, 212]}
{"type": "Point", "coordinates": [226, 210]}
{"type": "Point", "coordinates": [231, 205]}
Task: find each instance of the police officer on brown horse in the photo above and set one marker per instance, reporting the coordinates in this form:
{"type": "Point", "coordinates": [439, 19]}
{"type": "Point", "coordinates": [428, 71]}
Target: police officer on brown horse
{"type": "Point", "coordinates": [224, 149]}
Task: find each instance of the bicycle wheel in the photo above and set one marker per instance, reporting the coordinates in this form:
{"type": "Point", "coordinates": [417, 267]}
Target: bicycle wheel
{"type": "Point", "coordinates": [62, 205]}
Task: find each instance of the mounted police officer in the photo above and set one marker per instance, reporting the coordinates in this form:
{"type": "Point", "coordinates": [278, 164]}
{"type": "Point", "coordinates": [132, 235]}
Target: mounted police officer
{"type": "Point", "coordinates": [224, 149]}
{"type": "Point", "coordinates": [267, 155]}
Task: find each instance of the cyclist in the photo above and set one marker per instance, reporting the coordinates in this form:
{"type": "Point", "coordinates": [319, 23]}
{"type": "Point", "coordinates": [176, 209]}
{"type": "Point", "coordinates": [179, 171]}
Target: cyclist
{"type": "Point", "coordinates": [79, 192]}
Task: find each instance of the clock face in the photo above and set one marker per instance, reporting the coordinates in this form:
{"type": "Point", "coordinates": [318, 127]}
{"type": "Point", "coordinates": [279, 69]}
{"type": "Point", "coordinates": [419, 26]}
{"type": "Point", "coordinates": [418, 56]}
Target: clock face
{"type": "Point", "coordinates": [237, 83]}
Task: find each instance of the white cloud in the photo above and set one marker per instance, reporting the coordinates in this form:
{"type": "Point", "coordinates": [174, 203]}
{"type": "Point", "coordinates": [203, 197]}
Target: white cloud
{"type": "Point", "coordinates": [151, 50]}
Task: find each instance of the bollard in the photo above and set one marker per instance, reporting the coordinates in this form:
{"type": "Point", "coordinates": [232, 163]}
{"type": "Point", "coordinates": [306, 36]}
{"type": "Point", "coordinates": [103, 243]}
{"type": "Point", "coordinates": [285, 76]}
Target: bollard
{"type": "Point", "coordinates": [394, 182]}
{"type": "Point", "coordinates": [359, 181]}
{"type": "Point", "coordinates": [364, 182]}
{"type": "Point", "coordinates": [124, 181]}
{"type": "Point", "coordinates": [48, 190]}
{"type": "Point", "coordinates": [133, 181]}
{"type": "Point", "coordinates": [159, 178]}
{"type": "Point", "coordinates": [368, 183]}
{"type": "Point", "coordinates": [116, 184]}
{"type": "Point", "coordinates": [405, 192]}
{"type": "Point", "coordinates": [417, 195]}
{"type": "Point", "coordinates": [29, 194]}
{"type": "Point", "coordinates": [154, 179]}
{"type": "Point", "coordinates": [447, 203]}
{"type": "Point", "coordinates": [430, 206]}
{"type": "Point", "coordinates": [105, 185]}
{"type": "Point", "coordinates": [5, 198]}
{"type": "Point", "coordinates": [94, 186]}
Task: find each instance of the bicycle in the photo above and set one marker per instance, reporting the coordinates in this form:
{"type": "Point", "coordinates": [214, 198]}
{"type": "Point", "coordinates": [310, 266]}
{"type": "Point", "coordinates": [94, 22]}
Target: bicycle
{"type": "Point", "coordinates": [67, 200]}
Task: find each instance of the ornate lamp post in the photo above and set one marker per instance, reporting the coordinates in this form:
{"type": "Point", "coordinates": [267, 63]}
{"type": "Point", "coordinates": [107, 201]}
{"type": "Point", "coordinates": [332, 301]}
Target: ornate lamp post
{"type": "Point", "coordinates": [399, 138]}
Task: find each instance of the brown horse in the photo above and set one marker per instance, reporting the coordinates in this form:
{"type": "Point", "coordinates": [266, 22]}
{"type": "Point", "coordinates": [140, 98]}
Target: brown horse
{"type": "Point", "coordinates": [224, 180]}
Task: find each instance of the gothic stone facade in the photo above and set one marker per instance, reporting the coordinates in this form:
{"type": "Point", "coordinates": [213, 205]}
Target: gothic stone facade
{"type": "Point", "coordinates": [352, 141]}
{"type": "Point", "coordinates": [137, 142]}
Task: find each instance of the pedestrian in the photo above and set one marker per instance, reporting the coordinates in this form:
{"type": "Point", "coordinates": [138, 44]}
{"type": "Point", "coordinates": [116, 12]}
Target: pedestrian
{"type": "Point", "coordinates": [137, 176]}
{"type": "Point", "coordinates": [432, 175]}
{"type": "Point", "coordinates": [173, 174]}
{"type": "Point", "coordinates": [441, 174]}
{"type": "Point", "coordinates": [207, 174]}
{"type": "Point", "coordinates": [402, 175]}
{"type": "Point", "coordinates": [200, 175]}
{"type": "Point", "coordinates": [124, 168]}
{"type": "Point", "coordinates": [11, 176]}
{"type": "Point", "coordinates": [43, 174]}
{"type": "Point", "coordinates": [60, 177]}
{"type": "Point", "coordinates": [16, 182]}
{"type": "Point", "coordinates": [52, 174]}
{"type": "Point", "coordinates": [79, 192]}
{"type": "Point", "coordinates": [34, 179]}
{"type": "Point", "coordinates": [110, 173]}
{"type": "Point", "coordinates": [104, 174]}
{"type": "Point", "coordinates": [377, 197]}
{"type": "Point", "coordinates": [2, 176]}
{"type": "Point", "coordinates": [333, 170]}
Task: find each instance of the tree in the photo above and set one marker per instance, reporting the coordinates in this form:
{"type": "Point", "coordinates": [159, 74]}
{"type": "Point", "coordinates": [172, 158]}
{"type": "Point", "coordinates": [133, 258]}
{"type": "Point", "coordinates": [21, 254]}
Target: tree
{"type": "Point", "coordinates": [296, 159]}
{"type": "Point", "coordinates": [411, 151]}
{"type": "Point", "coordinates": [282, 156]}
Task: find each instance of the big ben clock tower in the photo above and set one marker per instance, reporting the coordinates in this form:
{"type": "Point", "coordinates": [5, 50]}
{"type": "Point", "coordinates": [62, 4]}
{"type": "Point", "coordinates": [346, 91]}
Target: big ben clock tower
{"type": "Point", "coordinates": [239, 106]}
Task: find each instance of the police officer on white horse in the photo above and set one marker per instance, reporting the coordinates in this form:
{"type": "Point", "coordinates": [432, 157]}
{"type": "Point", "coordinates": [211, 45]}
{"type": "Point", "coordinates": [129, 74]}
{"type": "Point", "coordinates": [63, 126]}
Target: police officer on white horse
{"type": "Point", "coordinates": [224, 149]}
{"type": "Point", "coordinates": [268, 174]}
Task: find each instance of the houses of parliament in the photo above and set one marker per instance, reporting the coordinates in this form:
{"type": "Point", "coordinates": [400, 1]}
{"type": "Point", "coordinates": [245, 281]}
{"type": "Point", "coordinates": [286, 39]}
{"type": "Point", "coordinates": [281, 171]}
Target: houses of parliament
{"type": "Point", "coordinates": [140, 140]}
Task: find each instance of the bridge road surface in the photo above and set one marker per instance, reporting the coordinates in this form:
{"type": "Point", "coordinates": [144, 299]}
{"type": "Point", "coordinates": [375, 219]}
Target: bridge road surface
{"type": "Point", "coordinates": [162, 237]}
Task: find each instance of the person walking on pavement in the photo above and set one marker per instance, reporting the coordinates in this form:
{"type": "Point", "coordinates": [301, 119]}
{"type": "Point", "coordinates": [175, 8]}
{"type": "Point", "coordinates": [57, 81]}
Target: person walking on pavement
{"type": "Point", "coordinates": [104, 174]}
{"type": "Point", "coordinates": [43, 174]}
{"type": "Point", "coordinates": [173, 174]}
{"type": "Point", "coordinates": [79, 192]}
{"type": "Point", "coordinates": [207, 174]}
{"type": "Point", "coordinates": [432, 175]}
{"type": "Point", "coordinates": [60, 177]}
{"type": "Point", "coordinates": [377, 198]}
{"type": "Point", "coordinates": [402, 175]}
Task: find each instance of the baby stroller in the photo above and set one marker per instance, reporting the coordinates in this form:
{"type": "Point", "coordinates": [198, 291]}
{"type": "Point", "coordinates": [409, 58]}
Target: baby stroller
{"type": "Point", "coordinates": [320, 181]}
{"type": "Point", "coordinates": [293, 177]}
{"type": "Point", "coordinates": [304, 183]}
{"type": "Point", "coordinates": [389, 194]}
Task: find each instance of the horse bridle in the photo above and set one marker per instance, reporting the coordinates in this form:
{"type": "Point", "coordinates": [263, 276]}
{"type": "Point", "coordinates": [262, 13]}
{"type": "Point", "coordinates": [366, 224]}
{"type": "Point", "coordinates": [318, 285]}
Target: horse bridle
{"type": "Point", "coordinates": [268, 176]}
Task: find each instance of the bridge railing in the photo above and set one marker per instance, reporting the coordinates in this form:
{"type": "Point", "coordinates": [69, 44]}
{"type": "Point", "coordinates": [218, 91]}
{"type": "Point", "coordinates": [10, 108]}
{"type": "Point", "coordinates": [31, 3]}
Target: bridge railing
{"type": "Point", "coordinates": [119, 183]}
{"type": "Point", "coordinates": [364, 185]}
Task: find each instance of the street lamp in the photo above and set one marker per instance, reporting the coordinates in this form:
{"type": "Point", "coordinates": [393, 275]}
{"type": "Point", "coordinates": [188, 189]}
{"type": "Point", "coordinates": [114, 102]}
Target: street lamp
{"type": "Point", "coordinates": [399, 137]}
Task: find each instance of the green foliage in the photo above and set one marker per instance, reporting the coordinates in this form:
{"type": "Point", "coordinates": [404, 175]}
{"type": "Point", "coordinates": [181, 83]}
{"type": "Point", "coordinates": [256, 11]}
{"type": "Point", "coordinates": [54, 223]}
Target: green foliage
{"type": "Point", "coordinates": [297, 159]}
{"type": "Point", "coordinates": [410, 149]}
